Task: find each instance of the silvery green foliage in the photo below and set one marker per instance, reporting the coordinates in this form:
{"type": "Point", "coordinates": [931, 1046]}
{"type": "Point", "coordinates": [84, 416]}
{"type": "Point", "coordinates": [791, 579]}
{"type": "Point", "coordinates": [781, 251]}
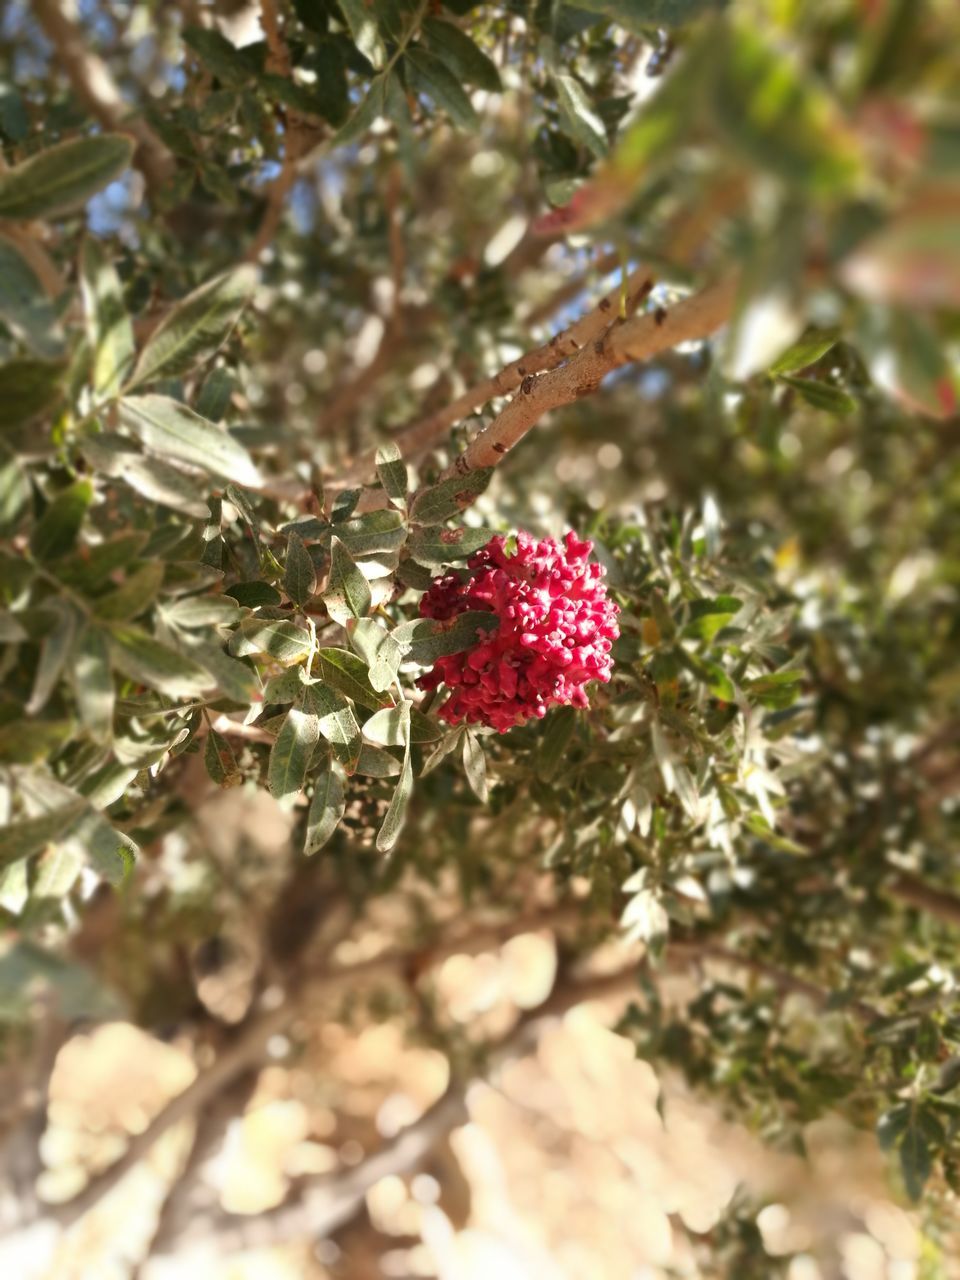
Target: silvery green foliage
{"type": "Point", "coordinates": [776, 749]}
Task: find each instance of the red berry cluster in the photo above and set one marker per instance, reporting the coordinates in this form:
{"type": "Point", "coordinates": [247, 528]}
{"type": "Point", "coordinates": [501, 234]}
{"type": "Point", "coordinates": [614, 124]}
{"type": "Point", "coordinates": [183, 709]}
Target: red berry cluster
{"type": "Point", "coordinates": [557, 625]}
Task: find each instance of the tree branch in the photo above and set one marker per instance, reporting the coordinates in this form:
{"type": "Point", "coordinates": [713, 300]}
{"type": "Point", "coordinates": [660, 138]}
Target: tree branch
{"type": "Point", "coordinates": [576, 337]}
{"type": "Point", "coordinates": [639, 338]}
{"type": "Point", "coordinates": [96, 88]}
{"type": "Point", "coordinates": [917, 893]}
{"type": "Point", "coordinates": [415, 439]}
{"type": "Point", "coordinates": [786, 983]}
{"type": "Point", "coordinates": [298, 136]}
{"type": "Point", "coordinates": [324, 1203]}
{"type": "Point", "coordinates": [249, 1045]}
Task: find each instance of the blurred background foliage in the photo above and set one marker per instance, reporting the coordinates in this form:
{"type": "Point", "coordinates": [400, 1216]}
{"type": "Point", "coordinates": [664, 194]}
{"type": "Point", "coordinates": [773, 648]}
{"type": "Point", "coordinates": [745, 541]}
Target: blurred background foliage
{"type": "Point", "coordinates": [243, 247]}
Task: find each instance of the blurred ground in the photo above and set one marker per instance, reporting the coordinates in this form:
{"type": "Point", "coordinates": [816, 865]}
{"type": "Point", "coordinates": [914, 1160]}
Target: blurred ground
{"type": "Point", "coordinates": [565, 1172]}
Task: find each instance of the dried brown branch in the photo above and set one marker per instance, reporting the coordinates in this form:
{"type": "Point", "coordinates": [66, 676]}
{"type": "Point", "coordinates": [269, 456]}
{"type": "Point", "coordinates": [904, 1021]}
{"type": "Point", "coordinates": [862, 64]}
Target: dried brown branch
{"type": "Point", "coordinates": [324, 1203]}
{"type": "Point", "coordinates": [248, 1046]}
{"type": "Point", "coordinates": [94, 85]}
{"type": "Point", "coordinates": [619, 343]}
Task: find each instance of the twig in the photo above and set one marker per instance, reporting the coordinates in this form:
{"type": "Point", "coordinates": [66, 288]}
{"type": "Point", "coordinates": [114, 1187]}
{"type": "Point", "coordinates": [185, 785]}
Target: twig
{"type": "Point", "coordinates": [398, 249]}
{"type": "Point", "coordinates": [278, 60]}
{"type": "Point", "coordinates": [786, 983]}
{"type": "Point", "coordinates": [299, 135]}
{"type": "Point", "coordinates": [94, 85]}
{"type": "Point", "coordinates": [577, 337]}
{"type": "Point", "coordinates": [572, 288]}
{"type": "Point", "coordinates": [636, 339]}
{"type": "Point", "coordinates": [917, 893]}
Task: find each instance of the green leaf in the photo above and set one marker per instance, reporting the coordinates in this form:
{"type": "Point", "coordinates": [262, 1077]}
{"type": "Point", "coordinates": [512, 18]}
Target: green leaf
{"type": "Point", "coordinates": [63, 177]}
{"type": "Point", "coordinates": [583, 123]}
{"type": "Point", "coordinates": [14, 495]}
{"type": "Point", "coordinates": [906, 360]}
{"type": "Point", "coordinates": [914, 259]}
{"type": "Point", "coordinates": [330, 87]}
{"type": "Point", "coordinates": [299, 575]}
{"type": "Point", "coordinates": [449, 497]}
{"type": "Point", "coordinates": [279, 638]}
{"type": "Point", "coordinates": [374, 762]}
{"type": "Point", "coordinates": [641, 15]}
{"type": "Point", "coordinates": [433, 546]}
{"type": "Point", "coordinates": [109, 330]}
{"type": "Point", "coordinates": [220, 760]}
{"type": "Point", "coordinates": [147, 661]}
{"type": "Point", "coordinates": [291, 752]}
{"type": "Point", "coordinates": [343, 504]}
{"type": "Point", "coordinates": [27, 389]}
{"type": "Point", "coordinates": [296, 96]}
{"type": "Point", "coordinates": [367, 113]}
{"type": "Point", "coordinates": [196, 327]}
{"type": "Point", "coordinates": [392, 473]}
{"type": "Point", "coordinates": [14, 121]}
{"type": "Point", "coordinates": [93, 682]}
{"type": "Point", "coordinates": [337, 722]}
{"type": "Point", "coordinates": [30, 741]}
{"type": "Point", "coordinates": [711, 674]}
{"type": "Point", "coordinates": [361, 20]}
{"type": "Point", "coordinates": [172, 430]}
{"type": "Point", "coordinates": [233, 67]}
{"type": "Point", "coordinates": [28, 835]}
{"type": "Point", "coordinates": [807, 350]}
{"type": "Point", "coordinates": [385, 667]}
{"type": "Point", "coordinates": [214, 399]}
{"type": "Point", "coordinates": [326, 808]}
{"type": "Point", "coordinates": [54, 651]}
{"type": "Point", "coordinates": [709, 616]}
{"type": "Point", "coordinates": [393, 822]}
{"type": "Point", "coordinates": [71, 988]}
{"type": "Point", "coordinates": [778, 116]}
{"type": "Point", "coordinates": [432, 77]}
{"type": "Point", "coordinates": [254, 595]}
{"type": "Point", "coordinates": [234, 679]}
{"type": "Point", "coordinates": [445, 747]}
{"type": "Point", "coordinates": [391, 726]}
{"type": "Point", "coordinates": [475, 766]}
{"type": "Point", "coordinates": [14, 879]}
{"type": "Point", "coordinates": [285, 686]}
{"type": "Point", "coordinates": [822, 395]}
{"type": "Point", "coordinates": [150, 477]}
{"type": "Point", "coordinates": [372, 532]}
{"type": "Point", "coordinates": [24, 305]}
{"type": "Point", "coordinates": [347, 595]}
{"type": "Point", "coordinates": [57, 872]}
{"type": "Point", "coordinates": [916, 1161]}
{"type": "Point", "coordinates": [348, 674]}
{"type": "Point", "coordinates": [467, 62]}
{"type": "Point", "coordinates": [201, 611]}
{"type": "Point", "coordinates": [559, 728]}
{"type": "Point", "coordinates": [58, 529]}
{"type": "Point", "coordinates": [424, 640]}
{"type": "Point", "coordinates": [134, 595]}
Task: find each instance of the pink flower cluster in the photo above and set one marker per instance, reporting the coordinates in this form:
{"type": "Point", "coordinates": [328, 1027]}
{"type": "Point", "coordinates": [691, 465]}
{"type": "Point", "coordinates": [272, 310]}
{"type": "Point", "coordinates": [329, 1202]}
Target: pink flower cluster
{"type": "Point", "coordinates": [557, 625]}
